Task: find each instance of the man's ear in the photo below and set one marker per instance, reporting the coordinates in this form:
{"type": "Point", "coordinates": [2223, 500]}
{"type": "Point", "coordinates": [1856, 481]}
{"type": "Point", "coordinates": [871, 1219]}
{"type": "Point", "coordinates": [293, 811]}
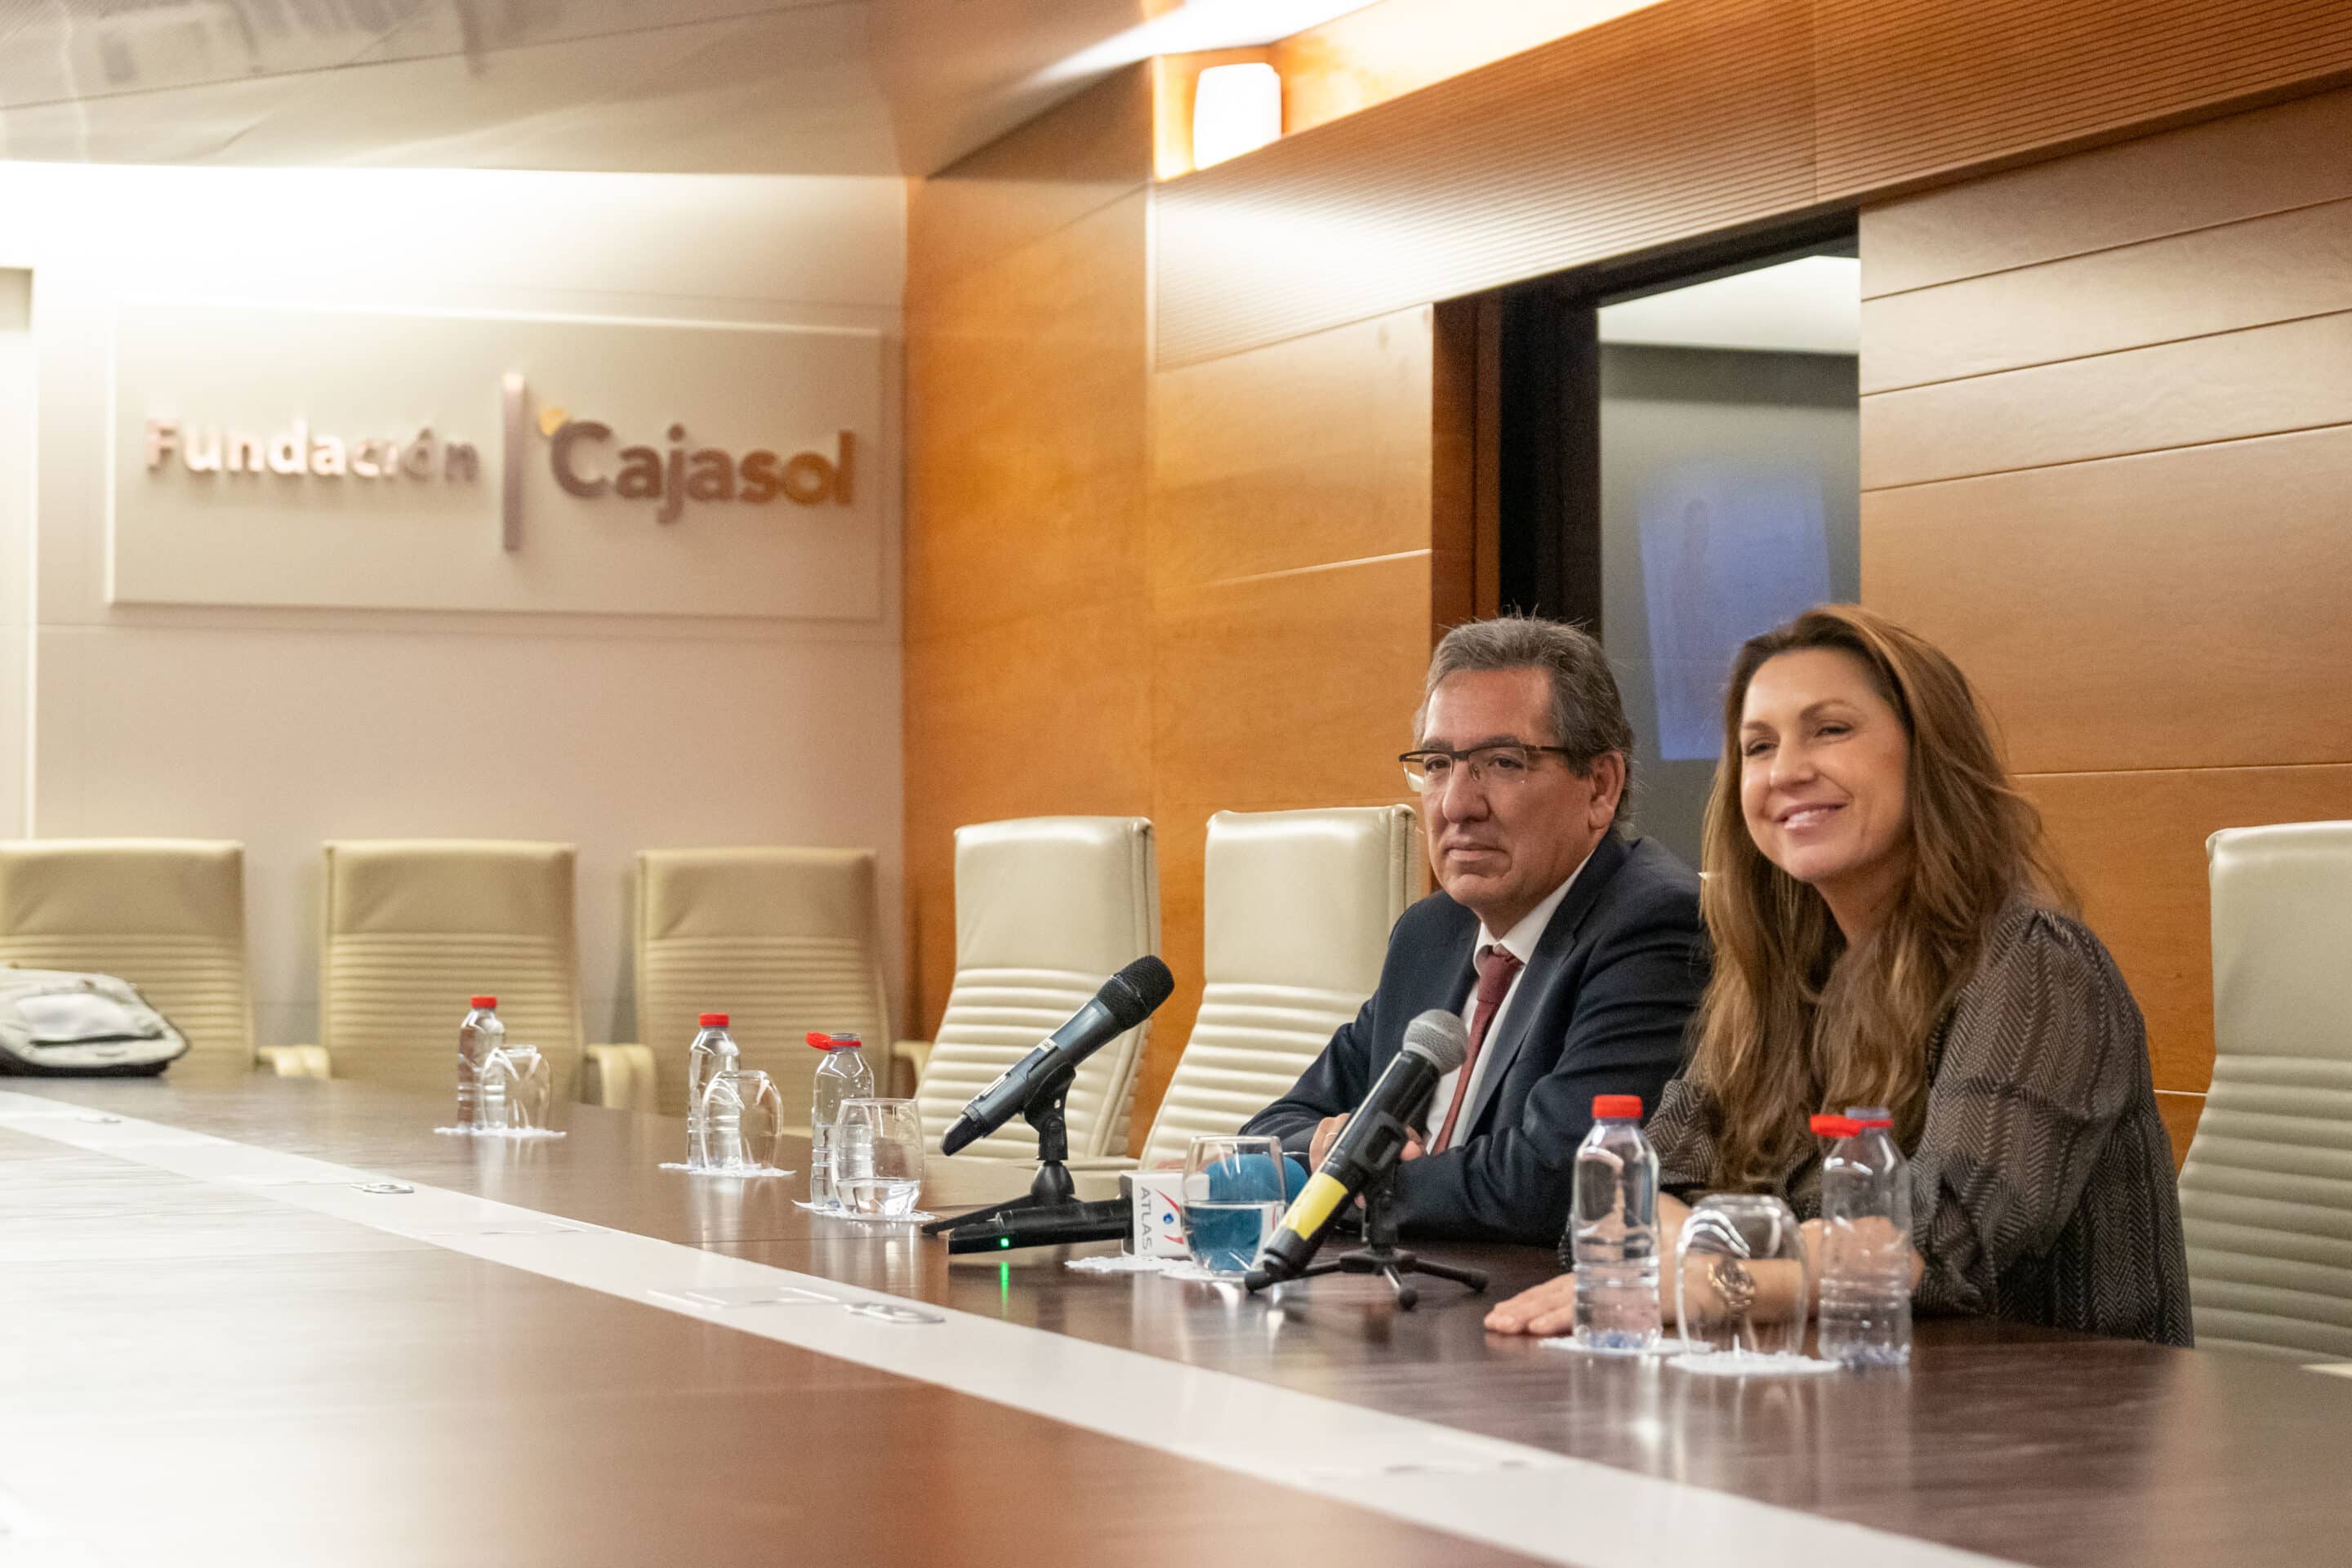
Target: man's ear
{"type": "Point", "coordinates": [1608, 776]}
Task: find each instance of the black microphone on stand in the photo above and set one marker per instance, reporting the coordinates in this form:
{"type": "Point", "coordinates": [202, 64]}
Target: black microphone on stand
{"type": "Point", "coordinates": [1126, 999]}
{"type": "Point", "coordinates": [1368, 1147]}
{"type": "Point", "coordinates": [1037, 1089]}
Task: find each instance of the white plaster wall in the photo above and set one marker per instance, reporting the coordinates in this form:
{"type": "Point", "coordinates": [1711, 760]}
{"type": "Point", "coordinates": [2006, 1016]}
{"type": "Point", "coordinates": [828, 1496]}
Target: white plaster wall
{"type": "Point", "coordinates": [286, 727]}
{"type": "Point", "coordinates": [17, 400]}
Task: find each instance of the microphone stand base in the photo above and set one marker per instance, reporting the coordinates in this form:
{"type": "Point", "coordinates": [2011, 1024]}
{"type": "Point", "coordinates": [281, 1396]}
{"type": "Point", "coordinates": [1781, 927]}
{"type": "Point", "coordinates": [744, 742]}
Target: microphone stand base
{"type": "Point", "coordinates": [1380, 1255]}
{"type": "Point", "coordinates": [1051, 1213]}
{"type": "Point", "coordinates": [1041, 1224]}
{"type": "Point", "coordinates": [1392, 1264]}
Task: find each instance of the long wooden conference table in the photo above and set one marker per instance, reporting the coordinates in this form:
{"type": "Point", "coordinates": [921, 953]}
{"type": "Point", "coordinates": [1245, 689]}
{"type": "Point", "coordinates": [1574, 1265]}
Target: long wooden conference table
{"type": "Point", "coordinates": [285, 1322]}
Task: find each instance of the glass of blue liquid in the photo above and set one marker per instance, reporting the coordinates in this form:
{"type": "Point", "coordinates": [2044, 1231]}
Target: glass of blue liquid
{"type": "Point", "coordinates": [1232, 1200]}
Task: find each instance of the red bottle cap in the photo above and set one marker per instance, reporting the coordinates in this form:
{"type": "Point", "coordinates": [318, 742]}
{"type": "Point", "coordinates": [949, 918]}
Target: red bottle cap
{"type": "Point", "coordinates": [821, 1041]}
{"type": "Point", "coordinates": [486, 1001]}
{"type": "Point", "coordinates": [1617, 1107]}
{"type": "Point", "coordinates": [1837, 1126]}
{"type": "Point", "coordinates": [712, 1020]}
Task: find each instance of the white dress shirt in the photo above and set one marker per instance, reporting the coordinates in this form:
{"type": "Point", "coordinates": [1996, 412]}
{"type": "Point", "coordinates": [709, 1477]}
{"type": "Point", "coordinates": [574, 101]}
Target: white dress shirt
{"type": "Point", "coordinates": [1519, 941]}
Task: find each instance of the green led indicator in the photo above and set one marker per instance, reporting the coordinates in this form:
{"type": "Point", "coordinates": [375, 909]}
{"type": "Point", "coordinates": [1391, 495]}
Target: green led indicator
{"type": "Point", "coordinates": [1003, 1241]}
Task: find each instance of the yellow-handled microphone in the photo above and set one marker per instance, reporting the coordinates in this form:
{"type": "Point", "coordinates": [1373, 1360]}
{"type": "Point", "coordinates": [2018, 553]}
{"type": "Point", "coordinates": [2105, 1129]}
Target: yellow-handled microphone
{"type": "Point", "coordinates": [1434, 1045]}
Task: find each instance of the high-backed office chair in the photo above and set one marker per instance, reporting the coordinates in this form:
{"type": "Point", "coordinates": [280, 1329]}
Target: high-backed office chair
{"type": "Point", "coordinates": [782, 941]}
{"type": "Point", "coordinates": [1298, 907]}
{"type": "Point", "coordinates": [165, 914]}
{"type": "Point", "coordinates": [2266, 1194]}
{"type": "Point", "coordinates": [1046, 909]}
{"type": "Point", "coordinates": [415, 926]}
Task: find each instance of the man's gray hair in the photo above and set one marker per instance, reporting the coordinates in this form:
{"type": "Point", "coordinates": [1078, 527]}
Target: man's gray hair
{"type": "Point", "coordinates": [1588, 715]}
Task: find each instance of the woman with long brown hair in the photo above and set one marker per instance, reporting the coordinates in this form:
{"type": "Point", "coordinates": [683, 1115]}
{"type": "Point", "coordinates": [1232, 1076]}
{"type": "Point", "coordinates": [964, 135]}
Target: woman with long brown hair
{"type": "Point", "coordinates": [1890, 930]}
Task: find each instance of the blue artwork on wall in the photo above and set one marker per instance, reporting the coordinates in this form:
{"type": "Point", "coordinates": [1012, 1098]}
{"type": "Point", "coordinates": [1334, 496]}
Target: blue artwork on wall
{"type": "Point", "coordinates": [1728, 551]}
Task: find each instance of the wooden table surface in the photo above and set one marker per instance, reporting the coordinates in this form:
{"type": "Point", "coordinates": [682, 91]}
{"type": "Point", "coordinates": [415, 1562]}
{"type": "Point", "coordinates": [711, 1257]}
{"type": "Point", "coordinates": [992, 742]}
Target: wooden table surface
{"type": "Point", "coordinates": [192, 1372]}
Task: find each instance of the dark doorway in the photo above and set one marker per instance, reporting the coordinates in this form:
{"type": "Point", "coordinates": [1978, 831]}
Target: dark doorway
{"type": "Point", "coordinates": [1678, 469]}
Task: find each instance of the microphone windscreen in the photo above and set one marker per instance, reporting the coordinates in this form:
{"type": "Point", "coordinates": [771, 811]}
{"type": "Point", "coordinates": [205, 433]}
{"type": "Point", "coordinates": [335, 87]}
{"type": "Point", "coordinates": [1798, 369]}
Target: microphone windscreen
{"type": "Point", "coordinates": [1439, 1037]}
{"type": "Point", "coordinates": [1135, 993]}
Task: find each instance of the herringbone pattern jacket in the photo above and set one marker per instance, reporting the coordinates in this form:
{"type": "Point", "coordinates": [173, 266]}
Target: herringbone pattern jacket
{"type": "Point", "coordinates": [2042, 1184]}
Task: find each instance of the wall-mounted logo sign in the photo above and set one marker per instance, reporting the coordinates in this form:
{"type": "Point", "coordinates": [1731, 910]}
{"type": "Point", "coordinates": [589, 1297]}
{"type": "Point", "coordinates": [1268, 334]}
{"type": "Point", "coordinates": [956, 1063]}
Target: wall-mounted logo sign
{"type": "Point", "coordinates": [686, 472]}
{"type": "Point", "coordinates": [645, 473]}
{"type": "Point", "coordinates": [296, 450]}
{"type": "Point", "coordinates": [745, 449]}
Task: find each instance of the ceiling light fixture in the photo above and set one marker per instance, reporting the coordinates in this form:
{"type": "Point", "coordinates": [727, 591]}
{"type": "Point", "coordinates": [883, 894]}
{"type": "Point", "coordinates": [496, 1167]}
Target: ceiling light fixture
{"type": "Point", "coordinates": [1197, 28]}
{"type": "Point", "coordinates": [1235, 110]}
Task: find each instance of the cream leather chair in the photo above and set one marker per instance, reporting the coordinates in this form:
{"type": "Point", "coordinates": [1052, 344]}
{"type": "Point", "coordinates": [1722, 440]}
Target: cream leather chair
{"type": "Point", "coordinates": [165, 914]}
{"type": "Point", "coordinates": [782, 941]}
{"type": "Point", "coordinates": [1298, 907]}
{"type": "Point", "coordinates": [2266, 1194]}
{"type": "Point", "coordinates": [415, 926]}
{"type": "Point", "coordinates": [1047, 910]}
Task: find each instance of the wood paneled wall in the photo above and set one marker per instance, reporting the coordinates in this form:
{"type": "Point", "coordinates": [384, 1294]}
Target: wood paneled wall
{"type": "Point", "coordinates": [1684, 119]}
{"type": "Point", "coordinates": [1028, 665]}
{"type": "Point", "coordinates": [2106, 447]}
{"type": "Point", "coordinates": [1293, 579]}
{"type": "Point", "coordinates": [1158, 594]}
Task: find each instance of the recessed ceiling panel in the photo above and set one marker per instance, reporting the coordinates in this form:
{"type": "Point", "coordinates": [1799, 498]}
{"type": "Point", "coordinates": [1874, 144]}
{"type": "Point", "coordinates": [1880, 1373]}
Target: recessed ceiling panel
{"type": "Point", "coordinates": [1812, 305]}
{"type": "Point", "coordinates": [874, 87]}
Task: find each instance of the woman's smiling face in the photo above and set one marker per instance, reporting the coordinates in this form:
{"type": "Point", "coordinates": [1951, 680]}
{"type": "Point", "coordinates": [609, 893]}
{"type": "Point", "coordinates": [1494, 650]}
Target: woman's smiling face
{"type": "Point", "coordinates": [1824, 779]}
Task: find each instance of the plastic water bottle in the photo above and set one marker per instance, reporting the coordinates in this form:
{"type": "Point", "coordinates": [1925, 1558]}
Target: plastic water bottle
{"type": "Point", "coordinates": [478, 1037]}
{"type": "Point", "coordinates": [1615, 1233]}
{"type": "Point", "coordinates": [713, 1052]}
{"type": "Point", "coordinates": [842, 1075]}
{"type": "Point", "coordinates": [1866, 1242]}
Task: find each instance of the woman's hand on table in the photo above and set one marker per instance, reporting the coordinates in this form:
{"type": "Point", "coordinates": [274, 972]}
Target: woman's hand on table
{"type": "Point", "coordinates": [1873, 1237]}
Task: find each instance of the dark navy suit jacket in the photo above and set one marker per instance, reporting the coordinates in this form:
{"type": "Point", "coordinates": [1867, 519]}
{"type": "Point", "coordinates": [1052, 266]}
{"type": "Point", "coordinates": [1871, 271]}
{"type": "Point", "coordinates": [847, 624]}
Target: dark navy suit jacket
{"type": "Point", "coordinates": [1600, 1009]}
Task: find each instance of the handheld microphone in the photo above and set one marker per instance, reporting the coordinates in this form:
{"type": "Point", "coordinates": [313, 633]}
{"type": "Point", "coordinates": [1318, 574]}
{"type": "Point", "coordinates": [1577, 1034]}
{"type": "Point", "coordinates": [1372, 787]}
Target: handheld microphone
{"type": "Point", "coordinates": [1434, 1045]}
{"type": "Point", "coordinates": [1125, 1000]}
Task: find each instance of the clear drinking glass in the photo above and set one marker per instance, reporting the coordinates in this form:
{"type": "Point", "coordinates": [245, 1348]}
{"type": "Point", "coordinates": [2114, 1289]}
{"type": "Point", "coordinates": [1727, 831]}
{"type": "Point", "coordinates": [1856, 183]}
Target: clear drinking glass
{"type": "Point", "coordinates": [1742, 1282]}
{"type": "Point", "coordinates": [877, 1158]}
{"type": "Point", "coordinates": [742, 1121]}
{"type": "Point", "coordinates": [1232, 1200]}
{"type": "Point", "coordinates": [512, 1092]}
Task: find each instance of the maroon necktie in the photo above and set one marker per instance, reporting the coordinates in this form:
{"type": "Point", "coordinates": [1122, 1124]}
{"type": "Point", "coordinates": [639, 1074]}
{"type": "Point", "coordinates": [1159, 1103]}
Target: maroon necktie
{"type": "Point", "coordinates": [1497, 969]}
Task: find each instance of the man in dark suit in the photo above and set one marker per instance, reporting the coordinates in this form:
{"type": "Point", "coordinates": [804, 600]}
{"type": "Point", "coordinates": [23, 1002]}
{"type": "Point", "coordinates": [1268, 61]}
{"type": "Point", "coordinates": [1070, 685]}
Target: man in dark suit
{"type": "Point", "coordinates": [1574, 952]}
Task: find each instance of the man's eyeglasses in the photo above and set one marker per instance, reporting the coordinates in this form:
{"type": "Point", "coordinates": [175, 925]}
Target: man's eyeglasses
{"type": "Point", "coordinates": [1498, 766]}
